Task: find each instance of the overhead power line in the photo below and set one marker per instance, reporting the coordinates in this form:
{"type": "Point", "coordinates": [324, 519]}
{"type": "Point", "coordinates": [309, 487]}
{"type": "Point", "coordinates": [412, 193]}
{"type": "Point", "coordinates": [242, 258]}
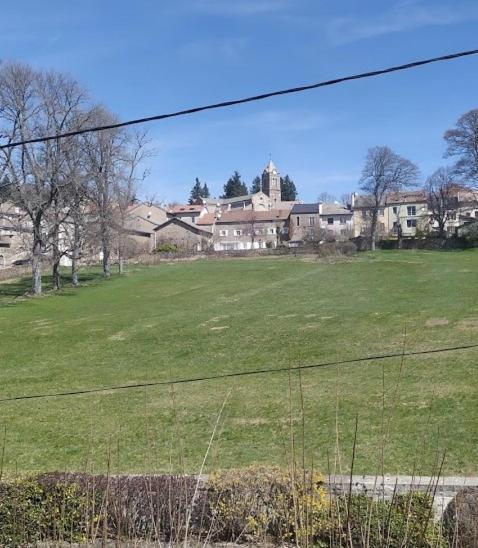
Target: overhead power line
{"type": "Point", "coordinates": [244, 100]}
{"type": "Point", "coordinates": [239, 374]}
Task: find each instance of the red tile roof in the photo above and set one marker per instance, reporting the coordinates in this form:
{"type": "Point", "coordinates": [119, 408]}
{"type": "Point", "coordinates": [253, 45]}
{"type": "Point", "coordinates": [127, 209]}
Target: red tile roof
{"type": "Point", "coordinates": [186, 208]}
{"type": "Point", "coordinates": [206, 219]}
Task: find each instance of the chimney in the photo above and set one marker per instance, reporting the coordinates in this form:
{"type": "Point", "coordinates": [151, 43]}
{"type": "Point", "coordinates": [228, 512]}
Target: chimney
{"type": "Point", "coordinates": [352, 200]}
{"type": "Point", "coordinates": [320, 208]}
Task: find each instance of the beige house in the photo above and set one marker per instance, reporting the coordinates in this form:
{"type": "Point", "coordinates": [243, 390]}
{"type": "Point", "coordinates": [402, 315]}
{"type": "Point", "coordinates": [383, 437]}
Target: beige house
{"type": "Point", "coordinates": [15, 239]}
{"type": "Point", "coordinates": [407, 209]}
{"type": "Point", "coordinates": [410, 210]}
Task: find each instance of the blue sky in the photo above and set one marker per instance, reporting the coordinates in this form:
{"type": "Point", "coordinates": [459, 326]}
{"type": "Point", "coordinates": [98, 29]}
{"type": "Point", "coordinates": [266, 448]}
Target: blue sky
{"type": "Point", "coordinates": [145, 57]}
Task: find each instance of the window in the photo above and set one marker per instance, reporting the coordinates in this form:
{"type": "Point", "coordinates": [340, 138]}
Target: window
{"type": "Point", "coordinates": [411, 210]}
{"type": "Point", "coordinates": [476, 213]}
{"type": "Point", "coordinates": [271, 230]}
{"type": "Point", "coordinates": [311, 221]}
{"type": "Point", "coordinates": [411, 223]}
{"type": "Point", "coordinates": [297, 221]}
{"type": "Point", "coordinates": [238, 232]}
{"type": "Point", "coordinates": [223, 233]}
{"type": "Point", "coordinates": [330, 220]}
{"type": "Point", "coordinates": [468, 214]}
{"type": "Point", "coordinates": [395, 209]}
{"type": "Point", "coordinates": [343, 220]}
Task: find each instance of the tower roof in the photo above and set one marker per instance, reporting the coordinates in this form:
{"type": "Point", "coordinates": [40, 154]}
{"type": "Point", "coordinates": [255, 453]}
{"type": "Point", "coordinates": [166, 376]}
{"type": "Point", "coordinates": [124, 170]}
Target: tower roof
{"type": "Point", "coordinates": [270, 168]}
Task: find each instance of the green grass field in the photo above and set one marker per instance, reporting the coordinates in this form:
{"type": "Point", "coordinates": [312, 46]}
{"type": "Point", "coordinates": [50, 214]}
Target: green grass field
{"type": "Point", "coordinates": [212, 317]}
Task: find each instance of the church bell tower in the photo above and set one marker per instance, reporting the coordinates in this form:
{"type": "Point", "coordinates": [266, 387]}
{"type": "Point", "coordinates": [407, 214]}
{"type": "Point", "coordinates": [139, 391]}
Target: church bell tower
{"type": "Point", "coordinates": [271, 183]}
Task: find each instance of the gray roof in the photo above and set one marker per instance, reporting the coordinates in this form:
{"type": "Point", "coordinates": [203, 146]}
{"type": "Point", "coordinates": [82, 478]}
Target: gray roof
{"type": "Point", "coordinates": [297, 209]}
{"type": "Point", "coordinates": [335, 209]}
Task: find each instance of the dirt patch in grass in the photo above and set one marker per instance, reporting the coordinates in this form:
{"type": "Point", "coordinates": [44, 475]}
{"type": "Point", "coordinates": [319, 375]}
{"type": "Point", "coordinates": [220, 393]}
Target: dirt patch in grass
{"type": "Point", "coordinates": [120, 336]}
{"type": "Point", "coordinates": [219, 328]}
{"type": "Point", "coordinates": [311, 326]}
{"type": "Point", "coordinates": [469, 324]}
{"type": "Point", "coordinates": [435, 322]}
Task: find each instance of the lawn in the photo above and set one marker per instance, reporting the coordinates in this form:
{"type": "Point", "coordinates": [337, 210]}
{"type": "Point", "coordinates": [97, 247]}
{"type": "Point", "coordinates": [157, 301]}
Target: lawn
{"type": "Point", "coordinates": [182, 320]}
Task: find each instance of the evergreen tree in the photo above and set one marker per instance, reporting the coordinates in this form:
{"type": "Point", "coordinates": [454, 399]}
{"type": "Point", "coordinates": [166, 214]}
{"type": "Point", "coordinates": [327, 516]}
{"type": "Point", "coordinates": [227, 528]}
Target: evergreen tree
{"type": "Point", "coordinates": [205, 191]}
{"type": "Point", "coordinates": [288, 189]}
{"type": "Point", "coordinates": [234, 187]}
{"type": "Point", "coordinates": [196, 192]}
{"type": "Point", "coordinates": [256, 185]}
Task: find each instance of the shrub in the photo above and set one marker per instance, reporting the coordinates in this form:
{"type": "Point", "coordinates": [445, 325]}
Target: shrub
{"type": "Point", "coordinates": [460, 519]}
{"type": "Point", "coordinates": [132, 506]}
{"type": "Point", "coordinates": [167, 247]}
{"type": "Point", "coordinates": [266, 503]}
{"type": "Point", "coordinates": [21, 513]}
{"type": "Point", "coordinates": [405, 521]}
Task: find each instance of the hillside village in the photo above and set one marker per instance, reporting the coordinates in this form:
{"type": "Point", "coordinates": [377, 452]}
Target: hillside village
{"type": "Point", "coordinates": [263, 220]}
{"type": "Point", "coordinates": [260, 220]}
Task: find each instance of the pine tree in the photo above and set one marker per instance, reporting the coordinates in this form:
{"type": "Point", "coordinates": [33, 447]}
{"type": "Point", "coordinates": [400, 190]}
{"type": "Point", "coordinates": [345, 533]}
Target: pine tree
{"type": "Point", "coordinates": [288, 189]}
{"type": "Point", "coordinates": [196, 192]}
{"type": "Point", "coordinates": [205, 191]}
{"type": "Point", "coordinates": [234, 187]}
{"type": "Point", "coordinates": [256, 185]}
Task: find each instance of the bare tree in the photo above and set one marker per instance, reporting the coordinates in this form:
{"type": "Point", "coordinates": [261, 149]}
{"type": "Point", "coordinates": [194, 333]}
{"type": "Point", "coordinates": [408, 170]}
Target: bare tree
{"type": "Point", "coordinates": [134, 153]}
{"type": "Point", "coordinates": [384, 172]}
{"type": "Point", "coordinates": [325, 197]}
{"type": "Point", "coordinates": [34, 104]}
{"type": "Point", "coordinates": [442, 198]}
{"type": "Point", "coordinates": [101, 154]}
{"type": "Point", "coordinates": [113, 158]}
{"type": "Point", "coordinates": [462, 143]}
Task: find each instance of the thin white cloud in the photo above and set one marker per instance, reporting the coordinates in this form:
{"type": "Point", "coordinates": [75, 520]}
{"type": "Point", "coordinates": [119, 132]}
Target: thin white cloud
{"type": "Point", "coordinates": [405, 16]}
{"type": "Point", "coordinates": [240, 7]}
{"type": "Point", "coordinates": [228, 49]}
{"type": "Point", "coordinates": [280, 121]}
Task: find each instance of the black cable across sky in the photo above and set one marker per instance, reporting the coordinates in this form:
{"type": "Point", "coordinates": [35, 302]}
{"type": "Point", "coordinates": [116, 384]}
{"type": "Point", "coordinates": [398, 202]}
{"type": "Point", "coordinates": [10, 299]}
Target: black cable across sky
{"type": "Point", "coordinates": [234, 102]}
{"type": "Point", "coordinates": [376, 357]}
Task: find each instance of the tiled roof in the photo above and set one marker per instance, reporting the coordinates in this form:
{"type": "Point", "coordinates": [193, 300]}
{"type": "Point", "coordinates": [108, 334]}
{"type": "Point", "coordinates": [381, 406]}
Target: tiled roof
{"type": "Point", "coordinates": [206, 219]}
{"type": "Point", "coordinates": [297, 209]}
{"type": "Point", "coordinates": [405, 197]}
{"type": "Point", "coordinates": [248, 216]}
{"type": "Point", "coordinates": [183, 222]}
{"type": "Point", "coordinates": [186, 208]}
{"type": "Point", "coordinates": [335, 209]}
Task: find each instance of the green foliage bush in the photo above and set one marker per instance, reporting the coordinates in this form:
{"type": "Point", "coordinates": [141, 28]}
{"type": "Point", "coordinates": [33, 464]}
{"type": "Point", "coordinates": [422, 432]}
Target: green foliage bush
{"type": "Point", "coordinates": [405, 521]}
{"type": "Point", "coordinates": [31, 512]}
{"type": "Point", "coordinates": [255, 505]}
{"type": "Point", "coordinates": [262, 504]}
{"type": "Point", "coordinates": [167, 247]}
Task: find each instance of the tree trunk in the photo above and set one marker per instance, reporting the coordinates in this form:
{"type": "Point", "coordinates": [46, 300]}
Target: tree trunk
{"type": "Point", "coordinates": [56, 258]}
{"type": "Point", "coordinates": [36, 262]}
{"type": "Point", "coordinates": [399, 236]}
{"type": "Point", "coordinates": [106, 261]}
{"type": "Point", "coordinates": [56, 274]}
{"type": "Point", "coordinates": [105, 248]}
{"type": "Point", "coordinates": [373, 235]}
{"type": "Point", "coordinates": [75, 256]}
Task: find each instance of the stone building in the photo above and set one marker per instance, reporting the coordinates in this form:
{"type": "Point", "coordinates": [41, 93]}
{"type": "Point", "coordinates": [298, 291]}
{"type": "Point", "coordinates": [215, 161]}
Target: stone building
{"type": "Point", "coordinates": [249, 229]}
{"type": "Point", "coordinates": [319, 221]}
{"type": "Point", "coordinates": [186, 235]}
